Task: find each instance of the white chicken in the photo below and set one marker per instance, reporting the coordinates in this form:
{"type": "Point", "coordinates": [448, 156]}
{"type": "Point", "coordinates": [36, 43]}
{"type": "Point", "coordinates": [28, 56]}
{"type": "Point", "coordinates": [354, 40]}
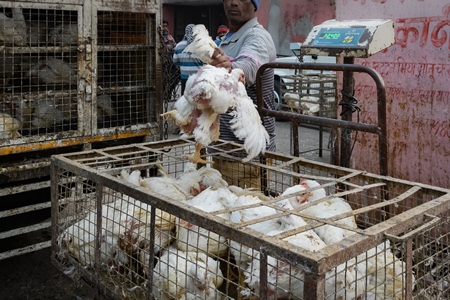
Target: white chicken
{"type": "Point", "coordinates": [295, 195]}
{"type": "Point", "coordinates": [385, 273]}
{"type": "Point", "coordinates": [191, 237]}
{"type": "Point", "coordinates": [186, 275]}
{"type": "Point", "coordinates": [125, 230]}
{"type": "Point", "coordinates": [205, 177]}
{"type": "Point", "coordinates": [202, 46]}
{"type": "Point", "coordinates": [9, 126]}
{"type": "Point", "coordinates": [286, 281]}
{"type": "Point", "coordinates": [13, 30]}
{"type": "Point", "coordinates": [52, 71]}
{"type": "Point", "coordinates": [79, 238]}
{"type": "Point", "coordinates": [211, 92]}
{"type": "Point", "coordinates": [242, 254]}
{"type": "Point", "coordinates": [327, 209]}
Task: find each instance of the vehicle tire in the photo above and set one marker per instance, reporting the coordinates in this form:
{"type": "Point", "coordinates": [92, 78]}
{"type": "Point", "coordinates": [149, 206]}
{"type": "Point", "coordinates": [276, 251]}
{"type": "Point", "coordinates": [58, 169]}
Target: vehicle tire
{"type": "Point", "coordinates": [277, 94]}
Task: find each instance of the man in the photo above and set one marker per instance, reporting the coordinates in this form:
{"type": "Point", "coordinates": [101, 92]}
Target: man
{"type": "Point", "coordinates": [246, 46]}
{"type": "Point", "coordinates": [169, 41]}
{"type": "Point", "coordinates": [186, 61]}
{"type": "Point", "coordinates": [221, 32]}
{"type": "Point", "coordinates": [171, 75]}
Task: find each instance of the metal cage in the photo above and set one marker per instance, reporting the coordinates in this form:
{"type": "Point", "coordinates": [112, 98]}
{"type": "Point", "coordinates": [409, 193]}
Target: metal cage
{"type": "Point", "coordinates": [75, 76]}
{"type": "Point", "coordinates": [141, 240]}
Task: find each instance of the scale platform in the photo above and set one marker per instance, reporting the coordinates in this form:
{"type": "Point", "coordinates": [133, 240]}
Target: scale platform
{"type": "Point", "coordinates": [349, 38]}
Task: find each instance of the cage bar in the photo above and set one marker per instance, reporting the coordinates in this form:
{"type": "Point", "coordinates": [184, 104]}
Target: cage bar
{"type": "Point", "coordinates": [218, 244]}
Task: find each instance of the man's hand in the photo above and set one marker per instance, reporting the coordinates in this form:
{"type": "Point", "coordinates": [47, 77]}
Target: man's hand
{"type": "Point", "coordinates": [220, 59]}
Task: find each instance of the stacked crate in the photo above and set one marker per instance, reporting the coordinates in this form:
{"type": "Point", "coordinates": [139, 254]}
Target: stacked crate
{"type": "Point", "coordinates": [75, 76]}
{"type": "Point", "coordinates": [310, 94]}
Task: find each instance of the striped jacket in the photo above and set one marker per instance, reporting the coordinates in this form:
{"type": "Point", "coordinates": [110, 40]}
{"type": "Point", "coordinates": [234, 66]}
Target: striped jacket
{"type": "Point", "coordinates": [186, 61]}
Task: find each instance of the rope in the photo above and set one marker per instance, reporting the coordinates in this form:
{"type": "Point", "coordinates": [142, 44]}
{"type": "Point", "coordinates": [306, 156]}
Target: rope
{"type": "Point", "coordinates": [350, 105]}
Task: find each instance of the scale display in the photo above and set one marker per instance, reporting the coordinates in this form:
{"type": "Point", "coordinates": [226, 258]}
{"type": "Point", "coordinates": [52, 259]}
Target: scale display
{"type": "Point", "coordinates": [349, 38]}
{"type": "Point", "coordinates": [338, 37]}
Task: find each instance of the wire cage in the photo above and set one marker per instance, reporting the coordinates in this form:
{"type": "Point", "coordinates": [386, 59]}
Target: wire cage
{"type": "Point", "coordinates": [310, 93]}
{"type": "Point", "coordinates": [63, 80]}
{"type": "Point", "coordinates": [139, 221]}
{"type": "Point", "coordinates": [73, 76]}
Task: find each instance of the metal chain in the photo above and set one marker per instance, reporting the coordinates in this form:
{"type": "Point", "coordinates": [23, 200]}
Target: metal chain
{"type": "Point", "coordinates": [170, 80]}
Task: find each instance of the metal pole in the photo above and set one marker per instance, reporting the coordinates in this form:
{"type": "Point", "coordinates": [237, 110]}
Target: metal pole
{"type": "Point", "coordinates": [346, 134]}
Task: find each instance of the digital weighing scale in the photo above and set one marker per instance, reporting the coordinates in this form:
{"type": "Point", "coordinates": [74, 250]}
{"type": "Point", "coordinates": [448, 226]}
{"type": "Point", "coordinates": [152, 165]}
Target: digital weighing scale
{"type": "Point", "coordinates": [349, 39]}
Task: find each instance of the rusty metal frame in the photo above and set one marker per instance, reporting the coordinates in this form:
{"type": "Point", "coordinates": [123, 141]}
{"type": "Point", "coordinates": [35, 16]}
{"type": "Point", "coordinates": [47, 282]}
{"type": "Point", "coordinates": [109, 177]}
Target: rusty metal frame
{"type": "Point", "coordinates": [19, 164]}
{"type": "Point", "coordinates": [315, 264]}
{"type": "Point", "coordinates": [379, 129]}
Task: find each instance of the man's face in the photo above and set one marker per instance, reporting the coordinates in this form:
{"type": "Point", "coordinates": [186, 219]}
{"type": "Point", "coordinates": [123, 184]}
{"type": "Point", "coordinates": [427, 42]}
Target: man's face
{"type": "Point", "coordinates": [239, 12]}
{"type": "Point", "coordinates": [164, 26]}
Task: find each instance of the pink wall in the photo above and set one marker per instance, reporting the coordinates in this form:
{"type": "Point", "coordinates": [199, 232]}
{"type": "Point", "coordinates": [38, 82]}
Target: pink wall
{"type": "Point", "coordinates": [416, 71]}
{"type": "Point", "coordinates": [291, 20]}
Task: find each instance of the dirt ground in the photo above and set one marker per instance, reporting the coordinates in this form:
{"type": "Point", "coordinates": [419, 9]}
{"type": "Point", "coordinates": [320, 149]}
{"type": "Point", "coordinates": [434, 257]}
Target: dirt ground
{"type": "Point", "coordinates": [33, 276]}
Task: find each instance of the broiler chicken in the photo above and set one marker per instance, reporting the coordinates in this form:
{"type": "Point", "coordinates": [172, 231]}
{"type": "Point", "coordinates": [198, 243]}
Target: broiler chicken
{"type": "Point", "coordinates": [202, 46]}
{"type": "Point", "coordinates": [327, 209]}
{"type": "Point", "coordinates": [186, 275]}
{"type": "Point", "coordinates": [13, 30]}
{"type": "Point", "coordinates": [191, 237]}
{"type": "Point", "coordinates": [286, 281]}
{"type": "Point", "coordinates": [385, 273]}
{"type": "Point", "coordinates": [9, 127]}
{"type": "Point", "coordinates": [125, 230]}
{"type": "Point", "coordinates": [205, 177]}
{"type": "Point", "coordinates": [211, 92]}
{"type": "Point", "coordinates": [242, 254]}
{"type": "Point", "coordinates": [52, 71]}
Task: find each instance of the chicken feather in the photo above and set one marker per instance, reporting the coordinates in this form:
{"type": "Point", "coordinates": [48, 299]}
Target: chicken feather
{"type": "Point", "coordinates": [9, 126]}
{"type": "Point", "coordinates": [186, 275]}
{"type": "Point", "coordinates": [211, 92]}
{"type": "Point", "coordinates": [202, 46]}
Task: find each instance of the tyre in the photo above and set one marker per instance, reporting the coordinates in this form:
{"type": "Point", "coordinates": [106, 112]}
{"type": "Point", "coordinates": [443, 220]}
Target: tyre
{"type": "Point", "coordinates": [277, 93]}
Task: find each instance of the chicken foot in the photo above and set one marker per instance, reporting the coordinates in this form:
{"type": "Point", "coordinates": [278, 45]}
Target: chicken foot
{"type": "Point", "coordinates": [170, 115]}
{"type": "Point", "coordinates": [195, 158]}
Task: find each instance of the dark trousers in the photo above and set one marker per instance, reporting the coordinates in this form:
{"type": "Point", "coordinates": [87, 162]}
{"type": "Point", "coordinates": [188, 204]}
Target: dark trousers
{"type": "Point", "coordinates": [183, 85]}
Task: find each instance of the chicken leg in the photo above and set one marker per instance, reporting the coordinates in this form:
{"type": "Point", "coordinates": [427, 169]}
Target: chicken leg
{"type": "Point", "coordinates": [170, 115]}
{"type": "Point", "coordinates": [195, 158]}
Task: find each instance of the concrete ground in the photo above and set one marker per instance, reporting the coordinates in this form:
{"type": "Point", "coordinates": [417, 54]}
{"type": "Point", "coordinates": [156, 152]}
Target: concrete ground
{"type": "Point", "coordinates": [308, 142]}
